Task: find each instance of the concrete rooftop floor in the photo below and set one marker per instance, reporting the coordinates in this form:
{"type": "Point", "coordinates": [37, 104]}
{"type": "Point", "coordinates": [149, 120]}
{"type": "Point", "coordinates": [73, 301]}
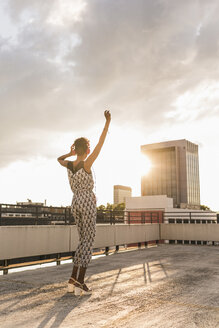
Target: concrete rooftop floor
{"type": "Point", "coordinates": [165, 286]}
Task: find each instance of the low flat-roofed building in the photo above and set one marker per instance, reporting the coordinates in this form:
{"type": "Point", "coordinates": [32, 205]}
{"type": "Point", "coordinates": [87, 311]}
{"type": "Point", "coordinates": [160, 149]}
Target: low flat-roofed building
{"type": "Point", "coordinates": [161, 204]}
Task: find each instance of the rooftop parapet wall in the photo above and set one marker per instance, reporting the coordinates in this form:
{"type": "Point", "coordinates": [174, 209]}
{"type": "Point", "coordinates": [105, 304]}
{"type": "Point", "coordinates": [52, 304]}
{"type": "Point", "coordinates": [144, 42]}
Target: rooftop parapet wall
{"type": "Point", "coordinates": [24, 241]}
{"type": "Point", "coordinates": [200, 232]}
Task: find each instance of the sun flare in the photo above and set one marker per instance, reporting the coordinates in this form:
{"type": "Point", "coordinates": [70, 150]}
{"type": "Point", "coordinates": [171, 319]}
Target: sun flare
{"type": "Point", "coordinates": [144, 165]}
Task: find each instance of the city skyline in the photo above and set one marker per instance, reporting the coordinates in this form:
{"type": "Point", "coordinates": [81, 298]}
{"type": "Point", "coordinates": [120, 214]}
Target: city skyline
{"type": "Point", "coordinates": [63, 64]}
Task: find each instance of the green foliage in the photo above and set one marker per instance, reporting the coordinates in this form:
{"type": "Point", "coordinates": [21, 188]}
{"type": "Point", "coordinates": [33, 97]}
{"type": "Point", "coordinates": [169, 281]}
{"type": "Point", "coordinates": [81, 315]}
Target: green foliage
{"type": "Point", "coordinates": [119, 207]}
{"type": "Point", "coordinates": [114, 207]}
{"type": "Point", "coordinates": [205, 208]}
{"type": "Point", "coordinates": [101, 207]}
{"type": "Point", "coordinates": [109, 206]}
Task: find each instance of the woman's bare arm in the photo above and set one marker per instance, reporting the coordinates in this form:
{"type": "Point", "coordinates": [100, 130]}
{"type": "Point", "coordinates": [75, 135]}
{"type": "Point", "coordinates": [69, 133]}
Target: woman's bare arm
{"type": "Point", "coordinates": [61, 159]}
{"type": "Point", "coordinates": [89, 161]}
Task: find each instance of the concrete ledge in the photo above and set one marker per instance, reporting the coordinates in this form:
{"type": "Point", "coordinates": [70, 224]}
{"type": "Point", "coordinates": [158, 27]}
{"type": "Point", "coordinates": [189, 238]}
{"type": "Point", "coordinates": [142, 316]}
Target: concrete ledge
{"type": "Point", "coordinates": [152, 232]}
{"type": "Point", "coordinates": [133, 233]}
{"type": "Point", "coordinates": [105, 236]}
{"type": "Point", "coordinates": [22, 241]}
{"type": "Point", "coordinates": [73, 238]}
{"type": "Point", "coordinates": [203, 232]}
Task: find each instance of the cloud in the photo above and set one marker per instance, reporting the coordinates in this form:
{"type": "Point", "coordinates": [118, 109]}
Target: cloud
{"type": "Point", "coordinates": [65, 62]}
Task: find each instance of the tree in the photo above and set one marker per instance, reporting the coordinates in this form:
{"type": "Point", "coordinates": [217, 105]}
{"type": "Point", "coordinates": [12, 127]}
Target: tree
{"type": "Point", "coordinates": [101, 208]}
{"type": "Point", "coordinates": [112, 207]}
{"type": "Point", "coordinates": [119, 207]}
{"type": "Point", "coordinates": [205, 208]}
{"type": "Point", "coordinates": [109, 206]}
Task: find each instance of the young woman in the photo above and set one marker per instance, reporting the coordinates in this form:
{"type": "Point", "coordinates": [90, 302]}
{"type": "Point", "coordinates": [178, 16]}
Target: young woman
{"type": "Point", "coordinates": [83, 205]}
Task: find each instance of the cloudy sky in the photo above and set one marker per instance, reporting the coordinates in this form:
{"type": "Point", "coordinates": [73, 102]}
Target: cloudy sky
{"type": "Point", "coordinates": [154, 64]}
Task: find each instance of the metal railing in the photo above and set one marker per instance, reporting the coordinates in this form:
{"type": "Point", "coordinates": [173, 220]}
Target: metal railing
{"type": "Point", "coordinates": [144, 217]}
{"type": "Point", "coordinates": [11, 215]}
{"type": "Point", "coordinates": [190, 217]}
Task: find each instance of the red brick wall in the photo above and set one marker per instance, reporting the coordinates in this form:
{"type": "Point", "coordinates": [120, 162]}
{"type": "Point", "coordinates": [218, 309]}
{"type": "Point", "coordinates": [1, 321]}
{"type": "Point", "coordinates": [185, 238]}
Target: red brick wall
{"type": "Point", "coordinates": [145, 217]}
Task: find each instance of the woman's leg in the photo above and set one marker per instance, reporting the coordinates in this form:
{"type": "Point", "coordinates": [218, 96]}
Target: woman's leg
{"type": "Point", "coordinates": [74, 272]}
{"type": "Point", "coordinates": [86, 223]}
{"type": "Point", "coordinates": [77, 255]}
{"type": "Point", "coordinates": [87, 244]}
{"type": "Point", "coordinates": [79, 249]}
{"type": "Point", "coordinates": [81, 274]}
{"type": "Point", "coordinates": [89, 225]}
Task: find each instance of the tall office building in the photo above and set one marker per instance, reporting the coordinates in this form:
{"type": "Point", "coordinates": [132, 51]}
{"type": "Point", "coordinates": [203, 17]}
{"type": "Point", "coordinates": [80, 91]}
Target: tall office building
{"type": "Point", "coordinates": [120, 193]}
{"type": "Point", "coordinates": [174, 172]}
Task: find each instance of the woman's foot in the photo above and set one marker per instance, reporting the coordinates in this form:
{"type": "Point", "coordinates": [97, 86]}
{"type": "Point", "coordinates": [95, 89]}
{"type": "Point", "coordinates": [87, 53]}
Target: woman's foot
{"type": "Point", "coordinates": [82, 289]}
{"type": "Point", "coordinates": [71, 285]}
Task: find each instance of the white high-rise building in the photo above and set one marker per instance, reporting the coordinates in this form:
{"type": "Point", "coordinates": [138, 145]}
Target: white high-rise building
{"type": "Point", "coordinates": [120, 193]}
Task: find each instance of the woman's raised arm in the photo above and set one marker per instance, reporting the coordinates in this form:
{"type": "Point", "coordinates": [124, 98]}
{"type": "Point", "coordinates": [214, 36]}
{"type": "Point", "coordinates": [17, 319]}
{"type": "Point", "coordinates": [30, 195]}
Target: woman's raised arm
{"type": "Point", "coordinates": [89, 161]}
{"type": "Point", "coordinates": [61, 159]}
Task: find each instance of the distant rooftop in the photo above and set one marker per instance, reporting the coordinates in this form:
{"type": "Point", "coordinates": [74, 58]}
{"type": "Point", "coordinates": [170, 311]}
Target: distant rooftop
{"type": "Point", "coordinates": [170, 143]}
{"type": "Point", "coordinates": [122, 187]}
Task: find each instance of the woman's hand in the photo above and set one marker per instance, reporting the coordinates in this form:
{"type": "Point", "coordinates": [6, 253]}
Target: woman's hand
{"type": "Point", "coordinates": [107, 115]}
{"type": "Point", "coordinates": [72, 151]}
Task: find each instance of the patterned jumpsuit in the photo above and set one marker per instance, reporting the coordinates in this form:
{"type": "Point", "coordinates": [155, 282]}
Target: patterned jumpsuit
{"type": "Point", "coordinates": [83, 208]}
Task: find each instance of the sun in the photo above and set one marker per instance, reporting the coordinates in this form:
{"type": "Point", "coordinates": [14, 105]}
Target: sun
{"type": "Point", "coordinates": [144, 165]}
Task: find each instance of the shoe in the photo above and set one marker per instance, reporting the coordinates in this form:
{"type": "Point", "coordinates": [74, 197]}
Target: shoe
{"type": "Point", "coordinates": [71, 285]}
{"type": "Point", "coordinates": [82, 289]}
